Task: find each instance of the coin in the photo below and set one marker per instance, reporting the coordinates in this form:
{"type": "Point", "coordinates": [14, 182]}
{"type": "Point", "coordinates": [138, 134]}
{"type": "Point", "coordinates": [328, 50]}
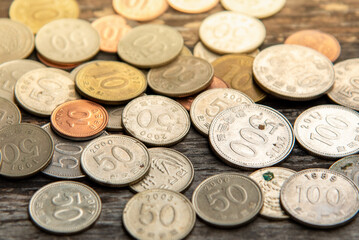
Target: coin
{"type": "Point", "coordinates": [198, 6]}
{"type": "Point", "coordinates": [56, 65]}
{"type": "Point", "coordinates": [79, 67]}
{"type": "Point", "coordinates": [320, 198]}
{"type": "Point", "coordinates": [156, 120]}
{"type": "Point", "coordinates": [227, 200]}
{"type": "Point", "coordinates": [159, 214]}
{"type": "Point", "coordinates": [323, 42]}
{"type": "Point", "coordinates": [328, 131]}
{"type": "Point", "coordinates": [111, 29]}
{"type": "Point", "coordinates": [65, 207]}
{"type": "Point", "coordinates": [79, 120]}
{"type": "Point", "coordinates": [251, 136]}
{"type": "Point", "coordinates": [67, 41]}
{"type": "Point", "coordinates": [115, 160]}
{"type": "Point", "coordinates": [348, 166]}
{"type": "Point", "coordinates": [170, 170]}
{"type": "Point", "coordinates": [346, 85]}
{"type": "Point", "coordinates": [9, 113]}
{"type": "Point", "coordinates": [186, 52]}
{"type": "Point", "coordinates": [150, 45]}
{"type": "Point", "coordinates": [145, 10]}
{"type": "Point", "coordinates": [293, 72]}
{"type": "Point", "coordinates": [36, 13]}
{"type": "Point", "coordinates": [40, 91]}
{"type": "Point", "coordinates": [236, 71]}
{"type": "Point", "coordinates": [231, 32]}
{"type": "Point", "coordinates": [26, 149]}
{"type": "Point", "coordinates": [110, 82]}
{"type": "Point", "coordinates": [183, 77]}
{"type": "Point", "coordinates": [258, 9]}
{"type": "Point", "coordinates": [270, 181]}
{"type": "Point", "coordinates": [201, 51]}
{"type": "Point", "coordinates": [114, 118]}
{"type": "Point", "coordinates": [208, 104]}
{"type": "Point", "coordinates": [17, 40]}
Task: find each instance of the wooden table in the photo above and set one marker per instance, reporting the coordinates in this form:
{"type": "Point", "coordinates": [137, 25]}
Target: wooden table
{"type": "Point", "coordinates": [339, 18]}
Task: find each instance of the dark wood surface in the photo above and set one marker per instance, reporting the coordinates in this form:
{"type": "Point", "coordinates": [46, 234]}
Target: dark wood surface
{"type": "Point", "coordinates": [338, 17]}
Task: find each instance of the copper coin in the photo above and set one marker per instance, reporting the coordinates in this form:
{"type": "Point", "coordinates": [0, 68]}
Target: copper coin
{"type": "Point", "coordinates": [323, 42]}
{"type": "Point", "coordinates": [144, 10]}
{"type": "Point", "coordinates": [79, 120]}
{"type": "Point", "coordinates": [56, 65]}
{"type": "Point", "coordinates": [187, 101]}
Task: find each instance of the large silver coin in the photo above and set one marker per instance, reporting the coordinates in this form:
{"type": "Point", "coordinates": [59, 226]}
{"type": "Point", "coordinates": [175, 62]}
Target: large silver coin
{"type": "Point", "coordinates": [169, 170]}
{"type": "Point", "coordinates": [208, 104]}
{"type": "Point", "coordinates": [349, 166]}
{"type": "Point", "coordinates": [159, 214]}
{"type": "Point", "coordinates": [251, 136]}
{"type": "Point", "coordinates": [156, 120]}
{"type": "Point", "coordinates": [320, 198]}
{"type": "Point", "coordinates": [227, 199]}
{"type": "Point", "coordinates": [9, 113]}
{"type": "Point", "coordinates": [65, 207]}
{"type": "Point", "coordinates": [271, 180]}
{"type": "Point", "coordinates": [293, 72]}
{"type": "Point", "coordinates": [329, 131]}
{"type": "Point", "coordinates": [115, 160]}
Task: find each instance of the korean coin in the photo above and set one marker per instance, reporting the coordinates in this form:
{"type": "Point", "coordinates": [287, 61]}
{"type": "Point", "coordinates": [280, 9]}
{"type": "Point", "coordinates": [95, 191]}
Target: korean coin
{"type": "Point", "coordinates": [198, 6]}
{"type": "Point", "coordinates": [348, 166]}
{"type": "Point", "coordinates": [202, 52]}
{"type": "Point", "coordinates": [114, 118]}
{"type": "Point", "coordinates": [9, 113]}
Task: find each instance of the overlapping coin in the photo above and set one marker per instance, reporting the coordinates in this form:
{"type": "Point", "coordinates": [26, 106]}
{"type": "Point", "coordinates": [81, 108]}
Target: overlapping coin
{"type": "Point", "coordinates": [9, 113]}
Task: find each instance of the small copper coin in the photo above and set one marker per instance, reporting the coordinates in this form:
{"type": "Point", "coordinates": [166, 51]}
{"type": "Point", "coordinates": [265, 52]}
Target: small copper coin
{"type": "Point", "coordinates": [144, 10]}
{"type": "Point", "coordinates": [323, 42]}
{"type": "Point", "coordinates": [56, 65]}
{"type": "Point", "coordinates": [79, 120]}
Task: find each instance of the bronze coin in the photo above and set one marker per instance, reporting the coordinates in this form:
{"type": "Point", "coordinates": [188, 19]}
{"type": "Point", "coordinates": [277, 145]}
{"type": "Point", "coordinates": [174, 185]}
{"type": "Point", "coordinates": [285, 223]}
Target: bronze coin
{"type": "Point", "coordinates": [56, 65]}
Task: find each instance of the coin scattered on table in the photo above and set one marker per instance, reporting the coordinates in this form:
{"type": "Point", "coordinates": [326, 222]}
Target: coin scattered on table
{"type": "Point", "coordinates": [348, 166]}
{"type": "Point", "coordinates": [320, 198]}
{"type": "Point", "coordinates": [198, 6]}
{"type": "Point", "coordinates": [79, 67]}
{"type": "Point", "coordinates": [65, 207]}
{"type": "Point", "coordinates": [9, 113]}
{"type": "Point", "coordinates": [140, 10]}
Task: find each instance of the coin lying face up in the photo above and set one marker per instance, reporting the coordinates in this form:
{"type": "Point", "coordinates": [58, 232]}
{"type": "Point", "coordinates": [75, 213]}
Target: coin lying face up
{"type": "Point", "coordinates": [140, 10]}
{"type": "Point", "coordinates": [9, 113]}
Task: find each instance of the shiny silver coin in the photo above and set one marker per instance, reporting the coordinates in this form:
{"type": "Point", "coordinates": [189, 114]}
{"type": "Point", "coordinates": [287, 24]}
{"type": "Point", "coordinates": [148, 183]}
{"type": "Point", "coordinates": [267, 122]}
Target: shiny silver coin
{"type": "Point", "coordinates": [320, 198]}
{"type": "Point", "coordinates": [159, 214]}
{"type": "Point", "coordinates": [227, 200]}
{"type": "Point", "coordinates": [270, 181]}
{"type": "Point", "coordinates": [65, 207]}
{"type": "Point", "coordinates": [251, 136]}
{"type": "Point", "coordinates": [114, 118]}
{"type": "Point", "coordinates": [328, 131]}
{"type": "Point", "coordinates": [169, 170]}
{"type": "Point", "coordinates": [348, 166]}
{"type": "Point", "coordinates": [9, 113]}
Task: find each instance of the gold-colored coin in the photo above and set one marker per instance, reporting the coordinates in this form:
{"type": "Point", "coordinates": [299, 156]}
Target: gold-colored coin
{"type": "Point", "coordinates": [110, 82]}
{"type": "Point", "coordinates": [236, 71]}
{"type": "Point", "coordinates": [186, 52]}
{"type": "Point", "coordinates": [36, 13]}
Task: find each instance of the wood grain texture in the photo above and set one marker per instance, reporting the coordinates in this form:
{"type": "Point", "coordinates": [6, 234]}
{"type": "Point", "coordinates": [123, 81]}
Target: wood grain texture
{"type": "Point", "coordinates": [337, 17]}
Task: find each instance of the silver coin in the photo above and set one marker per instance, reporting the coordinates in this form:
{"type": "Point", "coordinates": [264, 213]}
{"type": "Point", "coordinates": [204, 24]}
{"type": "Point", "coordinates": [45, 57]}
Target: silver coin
{"type": "Point", "coordinates": [169, 170]}
{"type": "Point", "coordinates": [227, 199]}
{"type": "Point", "coordinates": [208, 104]}
{"type": "Point", "coordinates": [114, 118]}
{"type": "Point", "coordinates": [156, 120]}
{"type": "Point", "coordinates": [251, 136]}
{"type": "Point", "coordinates": [65, 207]}
{"type": "Point", "coordinates": [9, 113]}
{"type": "Point", "coordinates": [346, 85]}
{"type": "Point", "coordinates": [115, 160]}
{"type": "Point", "coordinates": [270, 181]}
{"type": "Point", "coordinates": [293, 72]}
{"type": "Point", "coordinates": [202, 52]}
{"type": "Point", "coordinates": [159, 214]}
{"type": "Point", "coordinates": [320, 198]}
{"type": "Point", "coordinates": [349, 166]}
{"type": "Point", "coordinates": [329, 131]}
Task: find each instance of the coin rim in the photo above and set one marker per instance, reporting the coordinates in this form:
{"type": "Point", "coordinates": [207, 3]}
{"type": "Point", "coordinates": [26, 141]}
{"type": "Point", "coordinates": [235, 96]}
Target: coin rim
{"type": "Point", "coordinates": [14, 108]}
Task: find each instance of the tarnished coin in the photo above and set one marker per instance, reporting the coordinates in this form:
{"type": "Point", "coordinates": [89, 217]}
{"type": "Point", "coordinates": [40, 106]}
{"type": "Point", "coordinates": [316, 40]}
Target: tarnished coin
{"type": "Point", "coordinates": [40, 91]}
{"type": "Point", "coordinates": [227, 200]}
{"type": "Point", "coordinates": [236, 71]}
{"type": "Point", "coordinates": [115, 160]}
{"type": "Point", "coordinates": [270, 181]}
{"type": "Point", "coordinates": [36, 13]}
{"type": "Point", "coordinates": [170, 170]}
{"type": "Point", "coordinates": [156, 120]}
{"type": "Point", "coordinates": [68, 41]}
{"type": "Point", "coordinates": [346, 86]}
{"type": "Point", "coordinates": [201, 51]}
{"type": "Point", "coordinates": [65, 207]}
{"type": "Point", "coordinates": [328, 131]}
{"type": "Point", "coordinates": [26, 149]}
{"type": "Point", "coordinates": [183, 77]}
{"type": "Point", "coordinates": [348, 166]}
{"type": "Point", "coordinates": [17, 40]}
{"type": "Point", "coordinates": [9, 113]}
{"type": "Point", "coordinates": [258, 8]}
{"type": "Point", "coordinates": [198, 6]}
{"type": "Point", "coordinates": [79, 120]}
{"type": "Point", "coordinates": [114, 118]}
{"type": "Point", "coordinates": [144, 10]}
{"type": "Point", "coordinates": [150, 45]}
{"type": "Point", "coordinates": [320, 198]}
{"type": "Point", "coordinates": [251, 136]}
{"type": "Point", "coordinates": [231, 32]}
{"type": "Point", "coordinates": [208, 104]}
{"type": "Point", "coordinates": [159, 214]}
{"type": "Point", "coordinates": [293, 72]}
{"type": "Point", "coordinates": [110, 82]}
